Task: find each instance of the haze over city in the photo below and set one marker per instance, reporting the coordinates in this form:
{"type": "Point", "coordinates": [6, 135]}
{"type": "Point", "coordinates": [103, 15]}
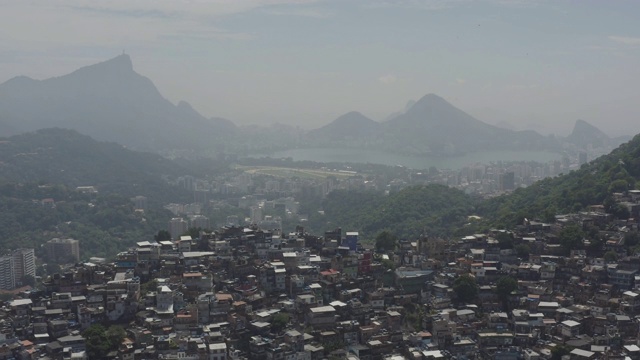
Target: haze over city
{"type": "Point", "coordinates": [522, 64]}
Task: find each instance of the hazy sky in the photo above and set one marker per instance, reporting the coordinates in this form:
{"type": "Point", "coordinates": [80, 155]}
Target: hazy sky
{"type": "Point", "coordinates": [533, 64]}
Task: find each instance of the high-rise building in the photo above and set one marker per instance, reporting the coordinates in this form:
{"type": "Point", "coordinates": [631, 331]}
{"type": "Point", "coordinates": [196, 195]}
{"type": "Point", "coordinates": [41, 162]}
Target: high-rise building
{"type": "Point", "coordinates": [255, 213]}
{"type": "Point", "coordinates": [187, 182]}
{"type": "Point", "coordinates": [60, 250]}
{"type": "Point", "coordinates": [508, 181]}
{"type": "Point", "coordinates": [233, 220]}
{"type": "Point", "coordinates": [582, 158]}
{"type": "Point", "coordinates": [177, 227]}
{"type": "Point", "coordinates": [14, 266]}
{"type": "Point", "coordinates": [24, 263]}
{"type": "Point", "coordinates": [351, 241]}
{"type": "Point", "coordinates": [140, 202]}
{"type": "Point", "coordinates": [201, 196]}
{"type": "Point", "coordinates": [199, 221]}
{"type": "Point", "coordinates": [7, 276]}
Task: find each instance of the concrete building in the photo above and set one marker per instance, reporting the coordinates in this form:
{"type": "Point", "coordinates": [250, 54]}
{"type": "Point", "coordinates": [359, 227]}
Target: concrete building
{"type": "Point", "coordinates": [140, 202]}
{"type": "Point", "coordinates": [507, 181]}
{"type": "Point", "coordinates": [255, 213]}
{"type": "Point", "coordinates": [177, 227]}
{"type": "Point", "coordinates": [61, 250]}
{"type": "Point", "coordinates": [24, 263]}
{"type": "Point", "coordinates": [199, 222]}
{"type": "Point", "coordinates": [7, 275]}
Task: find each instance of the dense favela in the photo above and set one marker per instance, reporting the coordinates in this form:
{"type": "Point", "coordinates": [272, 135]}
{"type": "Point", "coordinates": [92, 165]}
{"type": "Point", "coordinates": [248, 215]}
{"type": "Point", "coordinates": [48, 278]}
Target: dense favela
{"type": "Point", "coordinates": [496, 215]}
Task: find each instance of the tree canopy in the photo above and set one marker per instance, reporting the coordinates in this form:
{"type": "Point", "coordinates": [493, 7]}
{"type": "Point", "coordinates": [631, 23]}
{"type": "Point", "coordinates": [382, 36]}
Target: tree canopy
{"type": "Point", "coordinates": [593, 183]}
{"type": "Point", "coordinates": [427, 209]}
{"type": "Point", "coordinates": [504, 286]}
{"type": "Point", "coordinates": [100, 341]}
{"type": "Point", "coordinates": [385, 241]}
{"type": "Point", "coordinates": [466, 288]}
{"type": "Point", "coordinates": [279, 322]}
{"type": "Point", "coordinates": [570, 238]}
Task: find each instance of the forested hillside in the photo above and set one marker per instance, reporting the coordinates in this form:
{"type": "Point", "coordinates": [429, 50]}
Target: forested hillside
{"type": "Point", "coordinates": [104, 224]}
{"type": "Point", "coordinates": [440, 210]}
{"type": "Point", "coordinates": [61, 156]}
{"type": "Point", "coordinates": [39, 173]}
{"type": "Point", "coordinates": [431, 209]}
{"type": "Point", "coordinates": [594, 183]}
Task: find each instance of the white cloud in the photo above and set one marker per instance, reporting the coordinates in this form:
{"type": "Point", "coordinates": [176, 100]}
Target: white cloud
{"type": "Point", "coordinates": [388, 79]}
{"type": "Point", "coordinates": [433, 5]}
{"type": "Point", "coordinates": [460, 81]}
{"type": "Point", "coordinates": [517, 3]}
{"type": "Point", "coordinates": [310, 13]}
{"type": "Point", "coordinates": [625, 40]}
{"type": "Point", "coordinates": [415, 4]}
{"type": "Point", "coordinates": [197, 8]}
{"type": "Point", "coordinates": [121, 22]}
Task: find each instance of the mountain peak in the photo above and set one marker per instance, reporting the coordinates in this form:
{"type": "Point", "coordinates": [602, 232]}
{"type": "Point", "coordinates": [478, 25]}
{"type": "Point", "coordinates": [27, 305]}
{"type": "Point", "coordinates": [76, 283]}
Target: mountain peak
{"type": "Point", "coordinates": [119, 65]}
{"type": "Point", "coordinates": [122, 62]}
{"type": "Point", "coordinates": [352, 124]}
{"type": "Point", "coordinates": [582, 123]}
{"type": "Point", "coordinates": [582, 126]}
{"type": "Point", "coordinates": [430, 98]}
{"type": "Point", "coordinates": [19, 81]}
{"type": "Point", "coordinates": [108, 101]}
{"type": "Point", "coordinates": [352, 114]}
{"type": "Point", "coordinates": [585, 134]}
{"type": "Point", "coordinates": [428, 101]}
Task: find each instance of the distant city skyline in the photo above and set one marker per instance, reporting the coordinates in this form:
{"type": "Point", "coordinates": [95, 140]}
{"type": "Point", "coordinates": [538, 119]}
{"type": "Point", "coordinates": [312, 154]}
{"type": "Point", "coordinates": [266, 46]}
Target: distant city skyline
{"type": "Point", "coordinates": [537, 65]}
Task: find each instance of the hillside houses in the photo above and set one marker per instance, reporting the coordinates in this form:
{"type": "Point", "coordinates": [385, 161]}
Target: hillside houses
{"type": "Point", "coordinates": [249, 293]}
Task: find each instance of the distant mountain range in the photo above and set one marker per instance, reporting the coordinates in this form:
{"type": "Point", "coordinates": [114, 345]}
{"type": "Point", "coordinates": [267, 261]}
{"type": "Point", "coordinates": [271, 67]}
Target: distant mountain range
{"type": "Point", "coordinates": [434, 126]}
{"type": "Point", "coordinates": [429, 126]}
{"type": "Point", "coordinates": [107, 101]}
{"type": "Point", "coordinates": [110, 101]}
{"type": "Point", "coordinates": [352, 125]}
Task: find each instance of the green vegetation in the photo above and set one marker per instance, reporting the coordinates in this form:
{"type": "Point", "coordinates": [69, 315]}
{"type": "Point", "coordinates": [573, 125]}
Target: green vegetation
{"type": "Point", "coordinates": [610, 256]}
{"type": "Point", "coordinates": [148, 287]}
{"type": "Point", "coordinates": [559, 351]}
{"type": "Point", "coordinates": [570, 238]}
{"type": "Point", "coordinates": [504, 287]}
{"type": "Point", "coordinates": [279, 322]}
{"type": "Point", "coordinates": [101, 341]}
{"type": "Point", "coordinates": [104, 224]}
{"type": "Point", "coordinates": [442, 211]}
{"type": "Point", "coordinates": [40, 171]}
{"type": "Point", "coordinates": [594, 183]}
{"type": "Point", "coordinates": [431, 209]}
{"type": "Point", "coordinates": [523, 251]}
{"type": "Point", "coordinates": [49, 164]}
{"type": "Point", "coordinates": [505, 240]}
{"type": "Point", "coordinates": [466, 288]}
{"type": "Point", "coordinates": [386, 241]}
{"type": "Point", "coordinates": [59, 156]}
{"type": "Point", "coordinates": [414, 316]}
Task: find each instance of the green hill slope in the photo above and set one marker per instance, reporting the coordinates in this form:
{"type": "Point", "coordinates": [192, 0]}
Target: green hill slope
{"type": "Point", "coordinates": [104, 224]}
{"type": "Point", "coordinates": [593, 183]}
{"type": "Point", "coordinates": [439, 210]}
{"type": "Point", "coordinates": [60, 156]}
{"type": "Point", "coordinates": [39, 173]}
{"type": "Point", "coordinates": [431, 209]}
